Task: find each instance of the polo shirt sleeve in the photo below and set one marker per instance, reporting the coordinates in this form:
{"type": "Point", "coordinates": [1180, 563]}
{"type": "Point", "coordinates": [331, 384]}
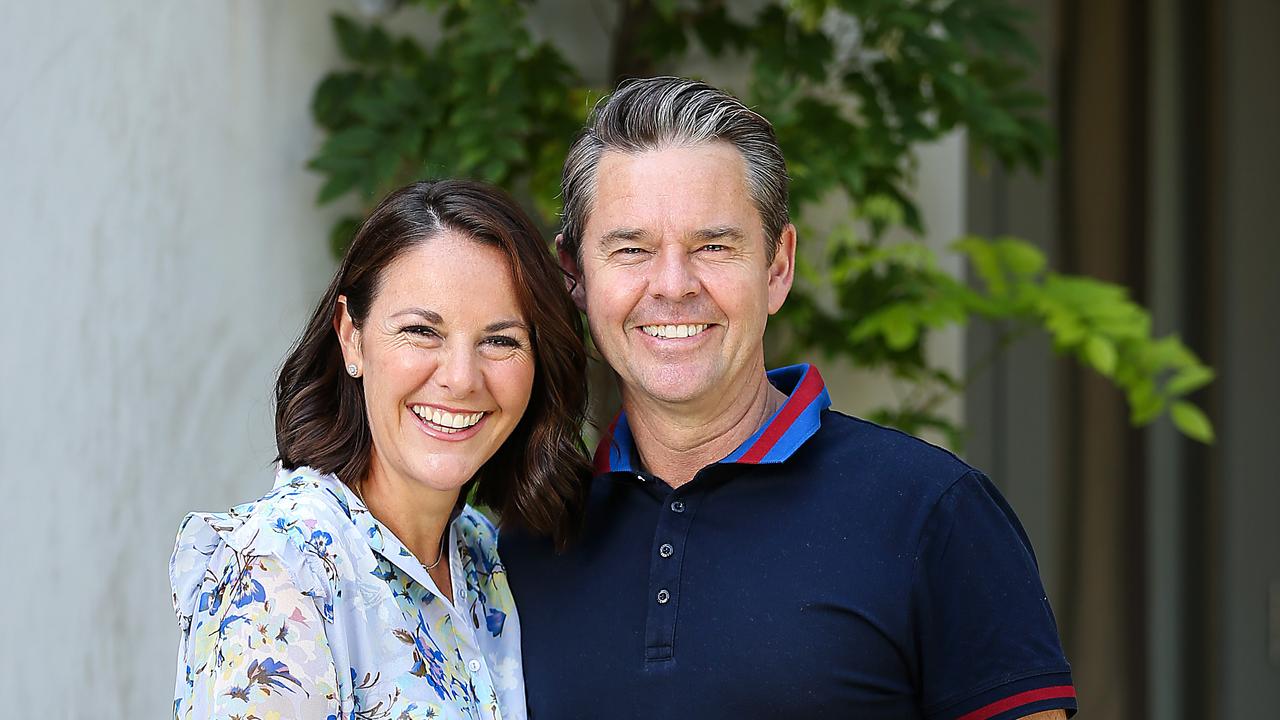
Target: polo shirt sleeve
{"type": "Point", "coordinates": [987, 640]}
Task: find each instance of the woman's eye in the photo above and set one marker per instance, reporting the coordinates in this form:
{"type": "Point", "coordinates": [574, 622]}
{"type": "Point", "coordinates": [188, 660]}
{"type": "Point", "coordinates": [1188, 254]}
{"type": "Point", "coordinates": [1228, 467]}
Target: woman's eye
{"type": "Point", "coordinates": [422, 330]}
{"type": "Point", "coordinates": [500, 347]}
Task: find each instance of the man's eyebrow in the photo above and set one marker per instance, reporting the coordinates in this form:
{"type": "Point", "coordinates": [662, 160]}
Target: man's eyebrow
{"type": "Point", "coordinates": [623, 234]}
{"type": "Point", "coordinates": [429, 315]}
{"type": "Point", "coordinates": [721, 232]}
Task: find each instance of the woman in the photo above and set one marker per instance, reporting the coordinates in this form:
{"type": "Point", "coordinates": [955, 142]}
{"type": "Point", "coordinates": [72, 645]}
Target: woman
{"type": "Point", "coordinates": [445, 357]}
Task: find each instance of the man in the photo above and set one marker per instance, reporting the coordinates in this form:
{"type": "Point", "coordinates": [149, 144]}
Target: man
{"type": "Point", "coordinates": [748, 552]}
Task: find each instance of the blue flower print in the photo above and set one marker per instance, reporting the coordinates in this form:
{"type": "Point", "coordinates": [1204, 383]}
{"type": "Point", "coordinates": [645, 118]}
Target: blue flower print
{"type": "Point", "coordinates": [249, 591]}
{"type": "Point", "coordinates": [271, 673]}
{"type": "Point", "coordinates": [302, 605]}
{"type": "Point", "coordinates": [494, 620]}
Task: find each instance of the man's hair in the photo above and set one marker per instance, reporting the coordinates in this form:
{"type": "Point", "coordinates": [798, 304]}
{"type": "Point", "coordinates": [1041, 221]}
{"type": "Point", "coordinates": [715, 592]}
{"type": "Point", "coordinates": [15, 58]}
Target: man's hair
{"type": "Point", "coordinates": [655, 113]}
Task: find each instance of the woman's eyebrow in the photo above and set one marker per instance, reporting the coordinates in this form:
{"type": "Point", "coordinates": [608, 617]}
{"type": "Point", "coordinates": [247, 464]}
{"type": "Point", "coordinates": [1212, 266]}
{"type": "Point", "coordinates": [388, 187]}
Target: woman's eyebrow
{"type": "Point", "coordinates": [428, 315]}
{"type": "Point", "coordinates": [506, 325]}
{"type": "Point", "coordinates": [434, 317]}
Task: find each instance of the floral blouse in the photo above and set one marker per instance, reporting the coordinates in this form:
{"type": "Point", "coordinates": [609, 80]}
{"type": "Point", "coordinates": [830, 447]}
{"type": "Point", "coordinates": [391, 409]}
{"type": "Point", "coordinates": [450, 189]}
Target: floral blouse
{"type": "Point", "coordinates": [302, 605]}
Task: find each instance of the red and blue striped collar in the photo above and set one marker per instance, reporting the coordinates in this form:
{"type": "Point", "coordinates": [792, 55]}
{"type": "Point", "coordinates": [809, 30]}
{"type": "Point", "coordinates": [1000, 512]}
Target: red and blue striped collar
{"type": "Point", "coordinates": [793, 423]}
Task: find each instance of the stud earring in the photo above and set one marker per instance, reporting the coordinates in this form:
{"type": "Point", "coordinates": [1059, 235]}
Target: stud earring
{"type": "Point", "coordinates": [353, 371]}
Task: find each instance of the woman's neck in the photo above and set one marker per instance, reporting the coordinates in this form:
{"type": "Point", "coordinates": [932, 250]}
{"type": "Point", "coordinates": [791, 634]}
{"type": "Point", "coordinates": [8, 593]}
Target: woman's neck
{"type": "Point", "coordinates": [419, 516]}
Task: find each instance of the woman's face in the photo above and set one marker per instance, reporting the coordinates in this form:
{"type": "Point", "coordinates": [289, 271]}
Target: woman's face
{"type": "Point", "coordinates": [446, 359]}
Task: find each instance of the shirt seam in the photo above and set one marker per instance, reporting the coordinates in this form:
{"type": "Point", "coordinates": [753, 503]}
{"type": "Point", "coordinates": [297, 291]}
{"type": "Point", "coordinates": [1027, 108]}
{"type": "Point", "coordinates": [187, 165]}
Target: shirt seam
{"type": "Point", "coordinates": [967, 467]}
{"type": "Point", "coordinates": [928, 519]}
{"type": "Point", "coordinates": [973, 692]}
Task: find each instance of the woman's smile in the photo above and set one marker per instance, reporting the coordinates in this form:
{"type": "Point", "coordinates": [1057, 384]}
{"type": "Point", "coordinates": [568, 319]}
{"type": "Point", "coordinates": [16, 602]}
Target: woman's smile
{"type": "Point", "coordinates": [448, 425]}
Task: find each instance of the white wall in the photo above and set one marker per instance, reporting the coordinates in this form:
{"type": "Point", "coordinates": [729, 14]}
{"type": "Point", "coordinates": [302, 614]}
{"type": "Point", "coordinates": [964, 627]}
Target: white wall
{"type": "Point", "coordinates": [160, 250]}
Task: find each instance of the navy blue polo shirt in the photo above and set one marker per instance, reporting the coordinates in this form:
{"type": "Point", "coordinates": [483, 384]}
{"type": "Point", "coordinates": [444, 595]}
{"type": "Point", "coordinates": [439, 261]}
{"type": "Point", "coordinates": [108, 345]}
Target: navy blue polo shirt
{"type": "Point", "coordinates": [828, 567]}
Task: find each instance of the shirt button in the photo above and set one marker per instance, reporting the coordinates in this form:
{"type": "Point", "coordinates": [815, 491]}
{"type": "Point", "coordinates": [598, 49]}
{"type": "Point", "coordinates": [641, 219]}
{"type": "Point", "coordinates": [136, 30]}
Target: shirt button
{"type": "Point", "coordinates": [677, 506]}
{"type": "Point", "coordinates": [663, 597]}
{"type": "Point", "coordinates": [474, 666]}
{"type": "Point", "coordinates": [666, 550]}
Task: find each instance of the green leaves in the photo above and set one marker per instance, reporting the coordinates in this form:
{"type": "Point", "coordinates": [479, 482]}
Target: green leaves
{"type": "Point", "coordinates": [885, 300]}
{"type": "Point", "coordinates": [1192, 421]}
{"type": "Point", "coordinates": [1096, 322]}
{"type": "Point", "coordinates": [852, 87]}
{"type": "Point", "coordinates": [485, 101]}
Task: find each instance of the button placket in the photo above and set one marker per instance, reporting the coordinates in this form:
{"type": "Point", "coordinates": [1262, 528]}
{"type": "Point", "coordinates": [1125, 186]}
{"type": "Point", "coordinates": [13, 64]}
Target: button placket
{"type": "Point", "coordinates": [673, 523]}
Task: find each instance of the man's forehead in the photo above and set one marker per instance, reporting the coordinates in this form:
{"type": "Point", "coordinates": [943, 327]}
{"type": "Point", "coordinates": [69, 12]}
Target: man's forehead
{"type": "Point", "coordinates": [715, 157]}
{"type": "Point", "coordinates": [693, 189]}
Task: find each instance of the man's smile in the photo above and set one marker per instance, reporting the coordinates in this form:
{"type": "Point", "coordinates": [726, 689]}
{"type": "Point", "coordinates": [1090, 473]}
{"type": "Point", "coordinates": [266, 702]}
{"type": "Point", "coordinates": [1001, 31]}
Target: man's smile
{"type": "Point", "coordinates": [667, 332]}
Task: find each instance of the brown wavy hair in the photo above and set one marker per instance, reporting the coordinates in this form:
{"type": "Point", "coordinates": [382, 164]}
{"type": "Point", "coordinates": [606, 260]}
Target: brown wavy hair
{"type": "Point", "coordinates": [538, 477]}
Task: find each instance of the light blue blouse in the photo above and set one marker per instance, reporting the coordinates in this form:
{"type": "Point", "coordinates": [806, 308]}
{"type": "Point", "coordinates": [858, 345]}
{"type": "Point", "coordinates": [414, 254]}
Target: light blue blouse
{"type": "Point", "coordinates": [302, 605]}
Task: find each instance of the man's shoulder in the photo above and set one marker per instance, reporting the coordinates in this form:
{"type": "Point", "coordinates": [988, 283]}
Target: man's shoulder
{"type": "Point", "coordinates": [874, 454]}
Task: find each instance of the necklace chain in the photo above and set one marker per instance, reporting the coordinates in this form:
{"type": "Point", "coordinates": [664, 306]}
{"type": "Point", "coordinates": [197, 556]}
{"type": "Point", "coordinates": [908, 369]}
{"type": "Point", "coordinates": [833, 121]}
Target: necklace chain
{"type": "Point", "coordinates": [445, 534]}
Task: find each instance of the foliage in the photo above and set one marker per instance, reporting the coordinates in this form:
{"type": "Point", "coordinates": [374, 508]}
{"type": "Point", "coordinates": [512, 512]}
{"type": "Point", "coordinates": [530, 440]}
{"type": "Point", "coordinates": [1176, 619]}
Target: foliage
{"type": "Point", "coordinates": [852, 87]}
{"type": "Point", "coordinates": [486, 101]}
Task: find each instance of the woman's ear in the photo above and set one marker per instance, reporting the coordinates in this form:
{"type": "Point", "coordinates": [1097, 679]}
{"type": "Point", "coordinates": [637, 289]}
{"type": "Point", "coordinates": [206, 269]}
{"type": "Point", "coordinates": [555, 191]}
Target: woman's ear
{"type": "Point", "coordinates": [348, 337]}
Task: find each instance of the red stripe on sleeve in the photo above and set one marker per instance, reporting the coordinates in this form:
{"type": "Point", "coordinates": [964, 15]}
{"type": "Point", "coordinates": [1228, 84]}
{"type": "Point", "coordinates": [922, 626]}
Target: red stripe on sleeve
{"type": "Point", "coordinates": [1022, 698]}
{"type": "Point", "coordinates": [800, 398]}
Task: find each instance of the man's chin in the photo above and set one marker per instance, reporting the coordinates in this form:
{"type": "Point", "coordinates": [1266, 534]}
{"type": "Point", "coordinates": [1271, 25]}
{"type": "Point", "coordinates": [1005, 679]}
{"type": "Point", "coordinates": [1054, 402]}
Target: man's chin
{"type": "Point", "coordinates": [680, 389]}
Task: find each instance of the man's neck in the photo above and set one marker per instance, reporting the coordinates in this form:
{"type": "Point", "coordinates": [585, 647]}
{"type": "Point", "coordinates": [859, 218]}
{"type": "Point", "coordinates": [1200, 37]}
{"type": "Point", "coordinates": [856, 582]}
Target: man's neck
{"type": "Point", "coordinates": [676, 441]}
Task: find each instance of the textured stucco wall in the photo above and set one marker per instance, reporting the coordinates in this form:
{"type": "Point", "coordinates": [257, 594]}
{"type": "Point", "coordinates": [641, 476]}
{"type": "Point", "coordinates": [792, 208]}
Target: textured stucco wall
{"type": "Point", "coordinates": [159, 249]}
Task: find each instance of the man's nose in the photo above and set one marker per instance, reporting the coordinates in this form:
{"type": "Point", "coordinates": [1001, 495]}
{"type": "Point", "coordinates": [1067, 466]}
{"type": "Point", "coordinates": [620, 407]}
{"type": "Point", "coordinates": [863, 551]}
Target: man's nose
{"type": "Point", "coordinates": [674, 276]}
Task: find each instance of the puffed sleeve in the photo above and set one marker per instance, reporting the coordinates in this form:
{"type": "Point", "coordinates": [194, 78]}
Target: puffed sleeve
{"type": "Point", "coordinates": [987, 639]}
{"type": "Point", "coordinates": [258, 648]}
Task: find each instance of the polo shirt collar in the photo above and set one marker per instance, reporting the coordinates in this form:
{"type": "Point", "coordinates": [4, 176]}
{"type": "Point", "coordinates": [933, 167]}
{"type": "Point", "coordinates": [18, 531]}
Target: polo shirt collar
{"type": "Point", "coordinates": [789, 427]}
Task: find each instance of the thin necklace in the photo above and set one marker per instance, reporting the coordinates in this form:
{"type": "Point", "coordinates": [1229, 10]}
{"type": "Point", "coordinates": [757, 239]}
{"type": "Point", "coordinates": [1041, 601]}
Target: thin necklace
{"type": "Point", "coordinates": [439, 553]}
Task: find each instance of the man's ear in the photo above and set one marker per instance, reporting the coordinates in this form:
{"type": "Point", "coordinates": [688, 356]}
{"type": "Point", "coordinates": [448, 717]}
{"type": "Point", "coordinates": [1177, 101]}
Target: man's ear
{"type": "Point", "coordinates": [348, 334]}
{"type": "Point", "coordinates": [782, 271]}
{"type": "Point", "coordinates": [572, 273]}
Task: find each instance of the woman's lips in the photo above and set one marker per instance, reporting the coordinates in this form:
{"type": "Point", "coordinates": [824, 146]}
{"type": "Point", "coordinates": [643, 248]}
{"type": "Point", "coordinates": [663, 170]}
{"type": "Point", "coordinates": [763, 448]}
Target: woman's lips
{"type": "Point", "coordinates": [441, 426]}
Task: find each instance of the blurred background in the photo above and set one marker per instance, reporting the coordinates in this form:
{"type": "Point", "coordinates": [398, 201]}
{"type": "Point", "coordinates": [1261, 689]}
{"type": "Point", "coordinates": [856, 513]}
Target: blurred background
{"type": "Point", "coordinates": [177, 178]}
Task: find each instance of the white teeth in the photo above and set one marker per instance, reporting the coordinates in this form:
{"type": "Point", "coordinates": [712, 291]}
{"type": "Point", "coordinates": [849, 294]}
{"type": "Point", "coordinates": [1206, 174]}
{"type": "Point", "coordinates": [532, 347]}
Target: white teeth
{"type": "Point", "coordinates": [674, 331]}
{"type": "Point", "coordinates": [447, 421]}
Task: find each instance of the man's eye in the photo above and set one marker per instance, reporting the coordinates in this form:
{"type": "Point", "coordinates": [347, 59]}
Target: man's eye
{"type": "Point", "coordinates": [630, 251]}
{"type": "Point", "coordinates": [712, 247]}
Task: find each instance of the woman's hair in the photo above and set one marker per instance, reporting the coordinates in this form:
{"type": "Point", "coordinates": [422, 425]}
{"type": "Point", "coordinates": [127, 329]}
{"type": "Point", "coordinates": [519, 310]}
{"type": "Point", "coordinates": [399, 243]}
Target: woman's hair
{"type": "Point", "coordinates": [538, 478]}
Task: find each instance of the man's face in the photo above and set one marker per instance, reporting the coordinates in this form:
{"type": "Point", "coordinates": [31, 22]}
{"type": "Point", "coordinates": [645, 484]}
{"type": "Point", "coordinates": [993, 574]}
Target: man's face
{"type": "Point", "coordinates": [675, 276]}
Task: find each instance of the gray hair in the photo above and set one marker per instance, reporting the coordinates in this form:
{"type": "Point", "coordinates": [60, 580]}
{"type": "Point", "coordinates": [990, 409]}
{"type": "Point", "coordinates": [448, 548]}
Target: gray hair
{"type": "Point", "coordinates": [654, 113]}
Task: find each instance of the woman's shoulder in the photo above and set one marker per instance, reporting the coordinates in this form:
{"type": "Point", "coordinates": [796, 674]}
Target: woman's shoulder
{"type": "Point", "coordinates": [476, 530]}
{"type": "Point", "coordinates": [304, 522]}
{"type": "Point", "coordinates": [479, 536]}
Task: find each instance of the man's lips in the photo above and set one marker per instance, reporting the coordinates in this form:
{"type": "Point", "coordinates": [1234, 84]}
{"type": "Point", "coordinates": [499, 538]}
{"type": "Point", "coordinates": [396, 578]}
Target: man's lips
{"type": "Point", "coordinates": [675, 331]}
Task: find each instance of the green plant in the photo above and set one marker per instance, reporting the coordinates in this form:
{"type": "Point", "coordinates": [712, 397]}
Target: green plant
{"type": "Point", "coordinates": [852, 87]}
